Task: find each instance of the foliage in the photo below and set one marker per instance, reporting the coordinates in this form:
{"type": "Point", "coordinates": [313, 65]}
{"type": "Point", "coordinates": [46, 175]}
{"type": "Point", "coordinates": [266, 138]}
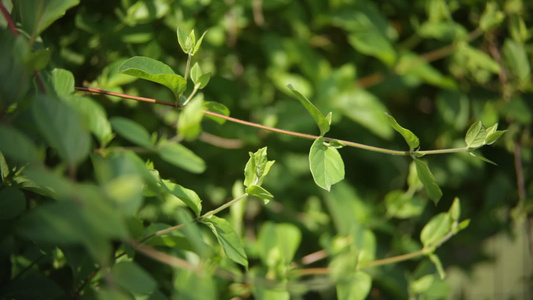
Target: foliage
{"type": "Point", "coordinates": [96, 187]}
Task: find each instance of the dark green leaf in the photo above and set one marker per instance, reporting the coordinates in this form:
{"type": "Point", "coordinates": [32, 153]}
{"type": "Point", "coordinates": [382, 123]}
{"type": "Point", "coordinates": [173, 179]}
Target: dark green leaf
{"type": "Point", "coordinates": [182, 157]}
{"type": "Point", "coordinates": [61, 126]}
{"type": "Point", "coordinates": [156, 71]}
{"type": "Point", "coordinates": [133, 278]}
{"type": "Point", "coordinates": [16, 145]}
{"type": "Point", "coordinates": [12, 203]}
{"type": "Point", "coordinates": [428, 180]}
{"type": "Point", "coordinates": [319, 118]}
{"type": "Point", "coordinates": [326, 164]}
{"type": "Point", "coordinates": [228, 239]}
{"type": "Point", "coordinates": [410, 138]}
{"type": "Point", "coordinates": [95, 115]}
{"type": "Point", "coordinates": [131, 131]}
{"type": "Point", "coordinates": [436, 229]}
{"type": "Point", "coordinates": [218, 108]}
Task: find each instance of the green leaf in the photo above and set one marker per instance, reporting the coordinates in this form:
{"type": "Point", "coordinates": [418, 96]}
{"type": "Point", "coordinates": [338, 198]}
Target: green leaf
{"type": "Point", "coordinates": [218, 108]}
{"type": "Point", "coordinates": [190, 119]}
{"type": "Point", "coordinates": [482, 158]}
{"type": "Point", "coordinates": [228, 239]}
{"type": "Point", "coordinates": [422, 284]}
{"type": "Point", "coordinates": [182, 38]}
{"type": "Point", "coordinates": [326, 164]}
{"type": "Point", "coordinates": [156, 71]}
{"type": "Point", "coordinates": [257, 168]}
{"type": "Point", "coordinates": [262, 293]}
{"type": "Point", "coordinates": [193, 233]}
{"type": "Point", "coordinates": [413, 66]}
{"type": "Point", "coordinates": [16, 145]}
{"type": "Point", "coordinates": [38, 14]}
{"type": "Point", "coordinates": [188, 196]}
{"type": "Point", "coordinates": [319, 118]}
{"type": "Point", "coordinates": [260, 192]}
{"type": "Point", "coordinates": [475, 136]}
{"type": "Point", "coordinates": [517, 60]}
{"type": "Point", "coordinates": [38, 59]}
{"type": "Point", "coordinates": [455, 209]}
{"type": "Point", "coordinates": [428, 180]}
{"type": "Point", "coordinates": [278, 243]}
{"type": "Point", "coordinates": [131, 131]}
{"type": "Point", "coordinates": [198, 43]}
{"type": "Point", "coordinates": [62, 128]}
{"type": "Point", "coordinates": [410, 138]}
{"type": "Point", "coordinates": [491, 17]}
{"type": "Point", "coordinates": [203, 80]}
{"type": "Point", "coordinates": [133, 278]}
{"type": "Point", "coordinates": [182, 157]}
{"type": "Point", "coordinates": [463, 225]}
{"type": "Point", "coordinates": [355, 286]}
{"type": "Point", "coordinates": [374, 44]}
{"type": "Point", "coordinates": [403, 205]}
{"type": "Point", "coordinates": [436, 229]}
{"type": "Point", "coordinates": [12, 203]}
{"type": "Point", "coordinates": [63, 82]}
{"type": "Point", "coordinates": [493, 134]}
{"type": "Point", "coordinates": [196, 72]}
{"type": "Point", "coordinates": [365, 109]}
{"type": "Point", "coordinates": [438, 265]}
{"type": "Point", "coordinates": [95, 115]}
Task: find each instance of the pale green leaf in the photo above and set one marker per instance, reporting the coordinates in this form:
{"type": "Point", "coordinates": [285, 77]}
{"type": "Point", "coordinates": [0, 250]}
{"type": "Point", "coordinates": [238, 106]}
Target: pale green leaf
{"type": "Point", "coordinates": [203, 80]}
{"type": "Point", "coordinates": [156, 71]}
{"type": "Point", "coordinates": [63, 82]}
{"type": "Point", "coordinates": [218, 108]}
{"type": "Point", "coordinates": [188, 196]}
{"type": "Point", "coordinates": [355, 286]}
{"type": "Point", "coordinates": [228, 239]}
{"type": "Point", "coordinates": [190, 119]}
{"type": "Point", "coordinates": [491, 17]}
{"type": "Point", "coordinates": [196, 72]}
{"type": "Point", "coordinates": [319, 118]}
{"type": "Point", "coordinates": [257, 168]}
{"type": "Point", "coordinates": [421, 284]}
{"type": "Point", "coordinates": [326, 164]}
{"type": "Point", "coordinates": [475, 136]}
{"type": "Point", "coordinates": [260, 192]}
{"type": "Point", "coordinates": [198, 44]}
{"type": "Point", "coordinates": [182, 38]}
{"type": "Point", "coordinates": [428, 180]}
{"type": "Point", "coordinates": [410, 137]}
{"type": "Point", "coordinates": [455, 209]}
{"type": "Point", "coordinates": [436, 229]}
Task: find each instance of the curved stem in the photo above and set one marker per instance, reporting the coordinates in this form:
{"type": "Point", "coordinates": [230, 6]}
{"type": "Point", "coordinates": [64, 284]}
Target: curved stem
{"type": "Point", "coordinates": [223, 206]}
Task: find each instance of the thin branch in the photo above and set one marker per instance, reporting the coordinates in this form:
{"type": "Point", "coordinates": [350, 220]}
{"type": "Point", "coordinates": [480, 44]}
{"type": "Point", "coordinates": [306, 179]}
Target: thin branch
{"type": "Point", "coordinates": [223, 206]}
{"type": "Point", "coordinates": [10, 22]}
{"type": "Point", "coordinates": [163, 257]}
{"type": "Point", "coordinates": [273, 129]}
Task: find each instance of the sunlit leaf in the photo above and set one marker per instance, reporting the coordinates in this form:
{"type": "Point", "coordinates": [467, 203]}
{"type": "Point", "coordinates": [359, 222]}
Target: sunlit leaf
{"type": "Point", "coordinates": [438, 265]}
{"type": "Point", "coordinates": [218, 108]}
{"type": "Point", "coordinates": [355, 286]}
{"type": "Point", "coordinates": [257, 168]}
{"type": "Point", "coordinates": [188, 196]}
{"type": "Point", "coordinates": [260, 192]}
{"type": "Point", "coordinates": [475, 136]}
{"type": "Point", "coordinates": [455, 209]}
{"type": "Point", "coordinates": [228, 239]}
{"type": "Point", "coordinates": [436, 229]}
{"type": "Point", "coordinates": [190, 119]}
{"type": "Point", "coordinates": [326, 164]}
{"type": "Point", "coordinates": [156, 71]}
{"type": "Point", "coordinates": [63, 82]}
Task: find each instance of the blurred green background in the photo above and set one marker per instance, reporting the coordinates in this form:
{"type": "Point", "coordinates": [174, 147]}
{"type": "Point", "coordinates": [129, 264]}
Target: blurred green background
{"type": "Point", "coordinates": [437, 66]}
